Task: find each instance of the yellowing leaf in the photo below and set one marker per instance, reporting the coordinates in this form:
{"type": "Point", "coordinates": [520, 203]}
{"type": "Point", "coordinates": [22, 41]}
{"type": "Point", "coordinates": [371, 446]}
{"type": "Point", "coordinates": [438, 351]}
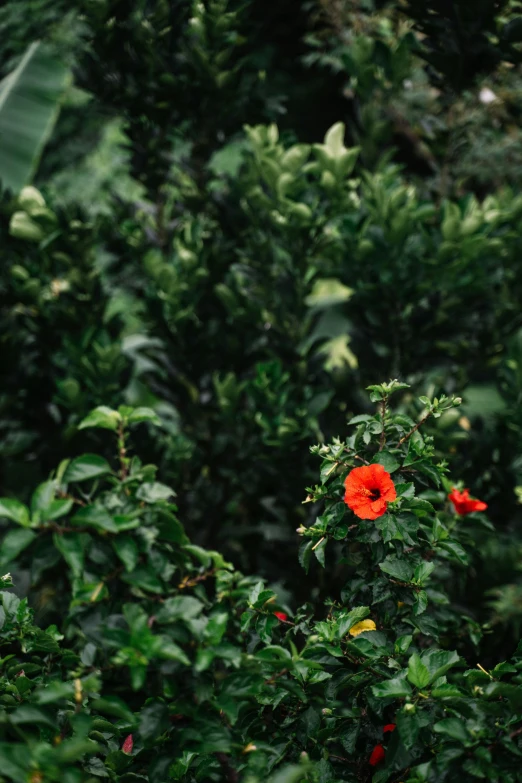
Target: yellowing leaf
{"type": "Point", "coordinates": [363, 625]}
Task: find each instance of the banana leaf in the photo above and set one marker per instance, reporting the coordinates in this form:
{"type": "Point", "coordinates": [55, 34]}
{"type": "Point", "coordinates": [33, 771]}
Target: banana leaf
{"type": "Point", "coordinates": [30, 100]}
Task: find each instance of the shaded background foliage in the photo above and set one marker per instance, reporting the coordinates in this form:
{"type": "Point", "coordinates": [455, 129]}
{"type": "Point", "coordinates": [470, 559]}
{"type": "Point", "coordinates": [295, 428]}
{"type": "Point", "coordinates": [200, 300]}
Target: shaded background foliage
{"type": "Point", "coordinates": [247, 282]}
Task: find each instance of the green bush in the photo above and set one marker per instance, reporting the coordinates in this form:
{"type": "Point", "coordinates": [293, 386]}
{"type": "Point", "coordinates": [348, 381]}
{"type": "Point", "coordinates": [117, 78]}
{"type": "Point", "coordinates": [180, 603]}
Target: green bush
{"type": "Point", "coordinates": [243, 217]}
{"type": "Point", "coordinates": [165, 663]}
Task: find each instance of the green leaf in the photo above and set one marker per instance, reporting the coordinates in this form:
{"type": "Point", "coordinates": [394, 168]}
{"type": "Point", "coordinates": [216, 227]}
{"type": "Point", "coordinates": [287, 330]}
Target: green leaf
{"type": "Point", "coordinates": [439, 661]}
{"type": "Point", "coordinates": [14, 510]}
{"type": "Point", "coordinates": [405, 490]}
{"type": "Point", "coordinates": [305, 554]}
{"type": "Point", "coordinates": [327, 292]}
{"type": "Point", "coordinates": [144, 414]}
{"type": "Point", "coordinates": [420, 603]}
{"type": "Point", "coordinates": [408, 726]}
{"type": "Point", "coordinates": [453, 728]}
{"type": "Point", "coordinates": [290, 773]}
{"type": "Point", "coordinates": [387, 524]}
{"type": "Point", "coordinates": [30, 98]}
{"type": "Point", "coordinates": [169, 527]}
{"type": "Point", "coordinates": [72, 547]}
{"type": "Point", "coordinates": [14, 761]}
{"type": "Point", "coordinates": [54, 691]}
{"type": "Point", "coordinates": [456, 550]}
{"type": "Point", "coordinates": [86, 467]}
{"type": "Point", "coordinates": [145, 578]}
{"type": "Point", "coordinates": [398, 569]}
{"type": "Point", "coordinates": [216, 627]}
{"type": "Point", "coordinates": [418, 673]}
{"type": "Point", "coordinates": [43, 497]}
{"type": "Point", "coordinates": [103, 418]}
{"type": "Point", "coordinates": [113, 705]}
{"type": "Point", "coordinates": [387, 460]}
{"type": "Point", "coordinates": [95, 516]}
{"type": "Point", "coordinates": [362, 418]}
{"type": "Point", "coordinates": [349, 738]}
{"type": "Point", "coordinates": [320, 552]}
{"type": "Point", "coordinates": [15, 542]}
{"type": "Point", "coordinates": [181, 607]}
{"type": "Point", "coordinates": [58, 508]}
{"type": "Point", "coordinates": [422, 572]}
{"type": "Point", "coordinates": [347, 621]}
{"type": "Point", "coordinates": [153, 491]}
{"type": "Point", "coordinates": [403, 643]}
{"type": "Point", "coordinates": [396, 688]}
{"type": "Point", "coordinates": [447, 691]}
{"type": "Point", "coordinates": [154, 720]}
{"type": "Point", "coordinates": [127, 550]}
{"type": "Point", "coordinates": [265, 624]}
{"type": "Point", "coordinates": [29, 714]}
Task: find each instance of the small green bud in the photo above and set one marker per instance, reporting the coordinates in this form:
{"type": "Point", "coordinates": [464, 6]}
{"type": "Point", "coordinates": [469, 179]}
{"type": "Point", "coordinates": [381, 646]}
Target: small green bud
{"type": "Point", "coordinates": [19, 272]}
{"type": "Point", "coordinates": [21, 226]}
{"type": "Point", "coordinates": [30, 198]}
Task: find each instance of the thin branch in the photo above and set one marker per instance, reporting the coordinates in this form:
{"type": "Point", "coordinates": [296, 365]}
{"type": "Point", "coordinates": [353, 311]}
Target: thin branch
{"type": "Point", "coordinates": [272, 679]}
{"type": "Point", "coordinates": [382, 441]}
{"type": "Point", "coordinates": [414, 430]}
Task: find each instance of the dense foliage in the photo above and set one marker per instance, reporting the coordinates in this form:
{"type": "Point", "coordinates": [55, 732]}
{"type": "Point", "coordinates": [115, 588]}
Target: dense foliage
{"type": "Point", "coordinates": [165, 663]}
{"type": "Point", "coordinates": [231, 217]}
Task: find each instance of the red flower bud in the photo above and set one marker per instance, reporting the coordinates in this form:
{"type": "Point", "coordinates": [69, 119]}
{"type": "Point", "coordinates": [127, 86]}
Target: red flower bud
{"type": "Point", "coordinates": [128, 744]}
{"type": "Point", "coordinates": [281, 616]}
{"type": "Point", "coordinates": [377, 755]}
{"type": "Point", "coordinates": [389, 727]}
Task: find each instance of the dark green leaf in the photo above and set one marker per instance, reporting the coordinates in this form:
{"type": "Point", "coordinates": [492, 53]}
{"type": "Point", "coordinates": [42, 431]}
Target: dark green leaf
{"type": "Point", "coordinates": [154, 720]}
{"type": "Point", "coordinates": [387, 460]}
{"type": "Point", "coordinates": [398, 569]}
{"type": "Point", "coordinates": [72, 546]}
{"type": "Point", "coordinates": [453, 728]}
{"type": "Point", "coordinates": [88, 466]}
{"type": "Point", "coordinates": [127, 550]}
{"type": "Point", "coordinates": [15, 542]}
{"type": "Point", "coordinates": [14, 510]}
{"type": "Point", "coordinates": [396, 687]}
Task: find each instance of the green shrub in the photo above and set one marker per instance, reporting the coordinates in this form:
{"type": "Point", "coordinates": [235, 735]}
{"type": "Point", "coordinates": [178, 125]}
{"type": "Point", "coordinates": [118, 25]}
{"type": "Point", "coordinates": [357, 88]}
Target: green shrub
{"type": "Point", "coordinates": [199, 247]}
{"type": "Point", "coordinates": [164, 663]}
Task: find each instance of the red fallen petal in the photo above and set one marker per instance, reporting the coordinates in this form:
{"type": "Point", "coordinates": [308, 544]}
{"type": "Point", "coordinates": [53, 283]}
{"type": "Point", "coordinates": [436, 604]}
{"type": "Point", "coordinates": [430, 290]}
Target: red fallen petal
{"type": "Point", "coordinates": [389, 727]}
{"type": "Point", "coordinates": [128, 744]}
{"type": "Point", "coordinates": [377, 755]}
{"type": "Point", "coordinates": [281, 616]}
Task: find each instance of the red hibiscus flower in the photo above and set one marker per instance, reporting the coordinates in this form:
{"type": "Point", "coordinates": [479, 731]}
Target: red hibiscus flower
{"type": "Point", "coordinates": [377, 755]}
{"type": "Point", "coordinates": [128, 744]}
{"type": "Point", "coordinates": [281, 616]}
{"type": "Point", "coordinates": [369, 489]}
{"type": "Point", "coordinates": [464, 504]}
